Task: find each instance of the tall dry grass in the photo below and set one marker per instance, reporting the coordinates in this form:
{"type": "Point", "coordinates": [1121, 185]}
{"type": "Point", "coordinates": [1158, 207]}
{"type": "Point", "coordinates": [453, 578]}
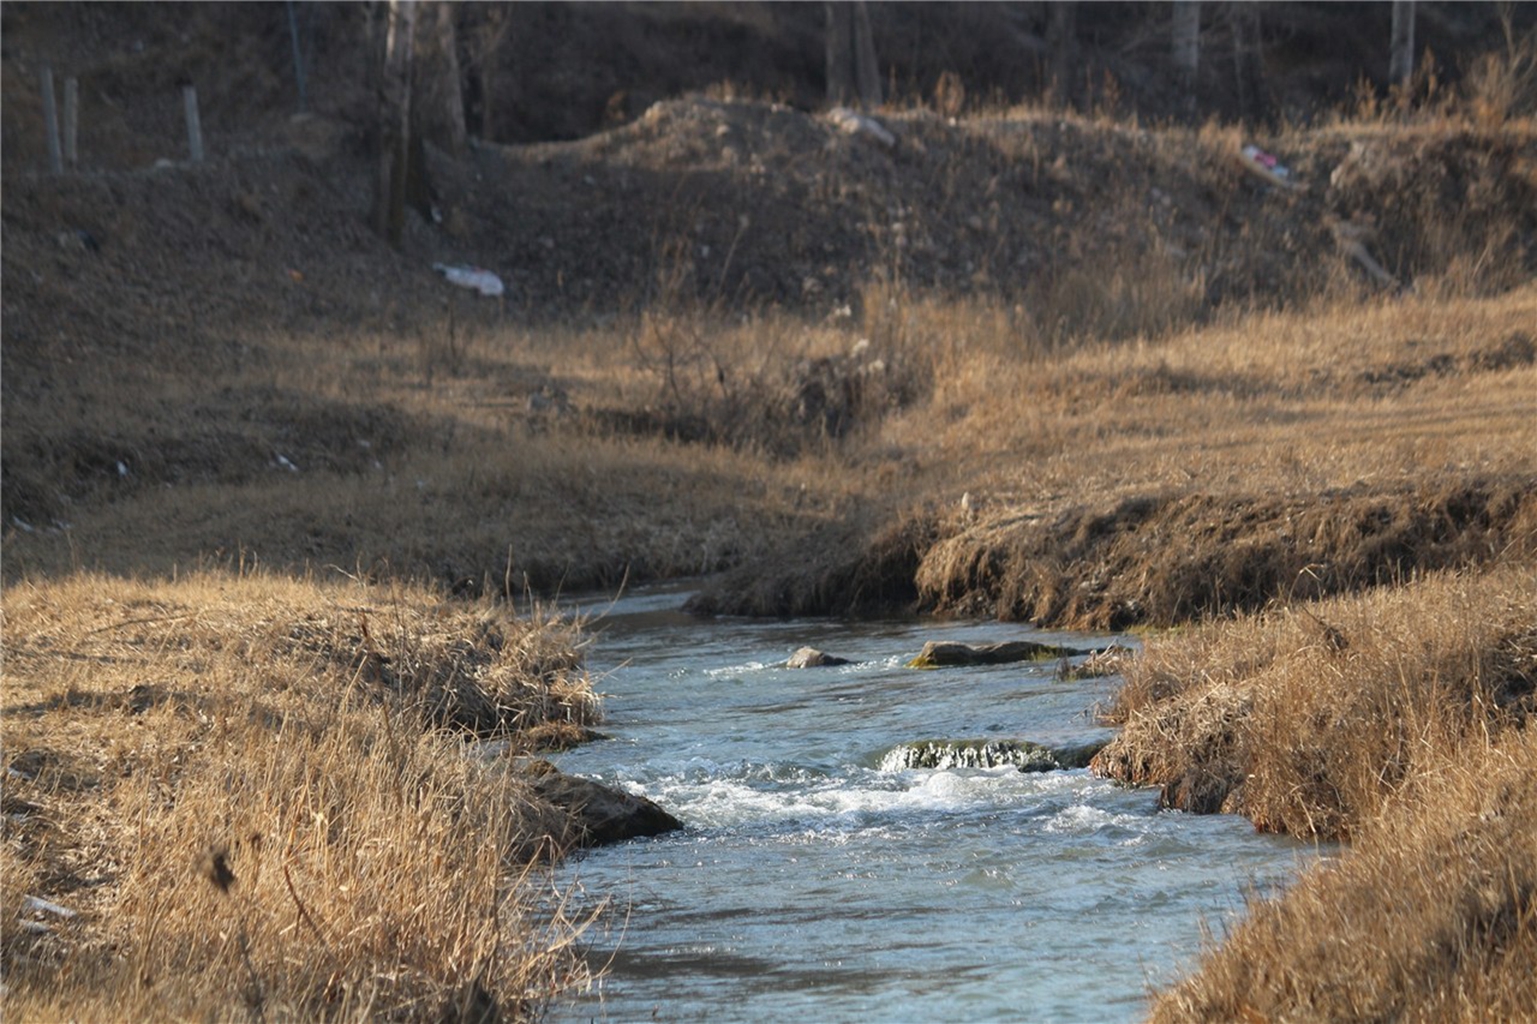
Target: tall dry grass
{"type": "Point", "coordinates": [1311, 719]}
{"type": "Point", "coordinates": [1428, 916]}
{"type": "Point", "coordinates": [1399, 719]}
{"type": "Point", "coordinates": [256, 798]}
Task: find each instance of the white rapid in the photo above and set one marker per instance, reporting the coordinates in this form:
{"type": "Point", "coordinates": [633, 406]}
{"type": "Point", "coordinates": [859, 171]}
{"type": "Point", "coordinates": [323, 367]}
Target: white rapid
{"type": "Point", "coordinates": [811, 884]}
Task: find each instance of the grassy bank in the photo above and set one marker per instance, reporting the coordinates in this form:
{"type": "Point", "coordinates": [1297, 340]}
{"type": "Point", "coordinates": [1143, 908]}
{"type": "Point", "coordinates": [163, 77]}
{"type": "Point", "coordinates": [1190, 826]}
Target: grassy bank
{"type": "Point", "coordinates": [1428, 916]}
{"type": "Point", "coordinates": [251, 797]}
{"type": "Point", "coordinates": [1399, 719]}
{"type": "Point", "coordinates": [1214, 469]}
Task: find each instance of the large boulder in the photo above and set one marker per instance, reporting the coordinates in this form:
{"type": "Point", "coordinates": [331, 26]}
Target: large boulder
{"type": "Point", "coordinates": [599, 814]}
{"type": "Point", "coordinates": [944, 653]}
{"type": "Point", "coordinates": [1022, 754]}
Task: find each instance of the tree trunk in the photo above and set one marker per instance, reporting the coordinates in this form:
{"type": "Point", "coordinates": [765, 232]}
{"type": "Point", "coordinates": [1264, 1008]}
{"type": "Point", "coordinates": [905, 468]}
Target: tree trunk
{"type": "Point", "coordinates": [1187, 53]}
{"type": "Point", "coordinates": [1248, 74]}
{"type": "Point", "coordinates": [1401, 61]}
{"type": "Point", "coordinates": [867, 73]}
{"type": "Point", "coordinates": [852, 72]}
{"type": "Point", "coordinates": [1061, 41]}
{"type": "Point", "coordinates": [453, 81]}
{"type": "Point", "coordinates": [491, 30]}
{"type": "Point", "coordinates": [840, 53]}
{"type": "Point", "coordinates": [395, 122]}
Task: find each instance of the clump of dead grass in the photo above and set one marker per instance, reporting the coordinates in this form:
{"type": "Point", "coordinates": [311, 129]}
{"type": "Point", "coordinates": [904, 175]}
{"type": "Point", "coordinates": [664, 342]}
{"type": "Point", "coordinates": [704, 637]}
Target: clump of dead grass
{"type": "Point", "coordinates": [248, 792]}
{"type": "Point", "coordinates": [1429, 916]}
{"type": "Point", "coordinates": [1168, 559]}
{"type": "Point", "coordinates": [1309, 718]}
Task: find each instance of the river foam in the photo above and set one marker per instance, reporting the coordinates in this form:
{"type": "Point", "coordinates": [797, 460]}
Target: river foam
{"type": "Point", "coordinates": [810, 882]}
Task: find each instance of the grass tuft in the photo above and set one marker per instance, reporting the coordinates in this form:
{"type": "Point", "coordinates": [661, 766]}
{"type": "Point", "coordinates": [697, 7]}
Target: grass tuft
{"type": "Point", "coordinates": [257, 798]}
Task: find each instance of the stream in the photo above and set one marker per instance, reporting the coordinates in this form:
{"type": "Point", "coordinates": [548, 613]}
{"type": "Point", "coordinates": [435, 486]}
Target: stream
{"type": "Point", "coordinates": [812, 883]}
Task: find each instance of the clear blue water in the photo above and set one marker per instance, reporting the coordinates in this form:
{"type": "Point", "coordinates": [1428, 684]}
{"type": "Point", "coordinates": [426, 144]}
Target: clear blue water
{"type": "Point", "coordinates": [810, 884]}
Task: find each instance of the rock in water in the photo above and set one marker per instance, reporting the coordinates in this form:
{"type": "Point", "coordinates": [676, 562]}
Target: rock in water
{"type": "Point", "coordinates": [1022, 754]}
{"type": "Point", "coordinates": [942, 653]}
{"type": "Point", "coordinates": [810, 657]}
{"type": "Point", "coordinates": [601, 814]}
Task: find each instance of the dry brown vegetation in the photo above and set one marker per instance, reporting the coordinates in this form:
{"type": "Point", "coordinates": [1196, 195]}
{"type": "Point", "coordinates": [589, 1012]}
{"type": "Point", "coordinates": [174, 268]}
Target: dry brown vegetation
{"type": "Point", "coordinates": [253, 796]}
{"type": "Point", "coordinates": [1309, 718]}
{"type": "Point", "coordinates": [1026, 363]}
{"type": "Point", "coordinates": [1399, 719]}
{"type": "Point", "coordinates": [1428, 916]}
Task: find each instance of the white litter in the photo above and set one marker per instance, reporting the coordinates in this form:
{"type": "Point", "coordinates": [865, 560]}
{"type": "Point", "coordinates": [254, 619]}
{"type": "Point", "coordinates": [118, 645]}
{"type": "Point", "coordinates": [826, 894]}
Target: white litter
{"type": "Point", "coordinates": [122, 470]}
{"type": "Point", "coordinates": [282, 460]}
{"type": "Point", "coordinates": [45, 906]}
{"type": "Point", "coordinates": [855, 123]}
{"type": "Point", "coordinates": [1267, 167]}
{"type": "Point", "coordinates": [481, 280]}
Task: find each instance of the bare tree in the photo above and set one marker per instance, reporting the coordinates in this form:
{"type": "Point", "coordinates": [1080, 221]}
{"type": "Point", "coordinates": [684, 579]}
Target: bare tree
{"type": "Point", "coordinates": [395, 121]}
{"type": "Point", "coordinates": [1187, 52]}
{"type": "Point", "coordinates": [1401, 59]}
{"type": "Point", "coordinates": [1248, 74]}
{"type": "Point", "coordinates": [852, 72]}
{"type": "Point", "coordinates": [450, 77]}
{"type": "Point", "coordinates": [1061, 42]}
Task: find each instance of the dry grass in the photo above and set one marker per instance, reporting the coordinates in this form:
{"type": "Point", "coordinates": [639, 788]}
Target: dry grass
{"type": "Point", "coordinates": [1197, 472]}
{"type": "Point", "coordinates": [1399, 719]}
{"type": "Point", "coordinates": [1311, 718]}
{"type": "Point", "coordinates": [255, 795]}
{"type": "Point", "coordinates": [1428, 916]}
{"type": "Point", "coordinates": [1296, 402]}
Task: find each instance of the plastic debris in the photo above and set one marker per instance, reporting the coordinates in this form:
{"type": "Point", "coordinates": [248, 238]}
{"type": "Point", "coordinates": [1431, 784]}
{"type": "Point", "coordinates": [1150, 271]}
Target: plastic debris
{"type": "Point", "coordinates": [37, 903]}
{"type": "Point", "coordinates": [282, 460]}
{"type": "Point", "coordinates": [855, 123]}
{"type": "Point", "coordinates": [477, 278]}
{"type": "Point", "coordinates": [1266, 166]}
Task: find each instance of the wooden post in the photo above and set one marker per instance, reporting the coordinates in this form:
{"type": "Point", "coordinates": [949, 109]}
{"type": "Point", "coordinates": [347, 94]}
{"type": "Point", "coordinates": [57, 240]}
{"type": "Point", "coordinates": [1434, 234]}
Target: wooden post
{"type": "Point", "coordinates": [194, 127]}
{"type": "Point", "coordinates": [1401, 60]}
{"type": "Point", "coordinates": [72, 123]}
{"type": "Point", "coordinates": [51, 122]}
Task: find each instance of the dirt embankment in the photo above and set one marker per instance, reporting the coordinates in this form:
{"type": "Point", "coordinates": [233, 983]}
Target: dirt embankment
{"type": "Point", "coordinates": [1154, 561]}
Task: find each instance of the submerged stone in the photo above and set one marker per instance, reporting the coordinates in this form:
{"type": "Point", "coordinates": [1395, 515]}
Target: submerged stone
{"type": "Point", "coordinates": [1025, 755]}
{"type": "Point", "coordinates": [942, 653]}
{"type": "Point", "coordinates": [810, 657]}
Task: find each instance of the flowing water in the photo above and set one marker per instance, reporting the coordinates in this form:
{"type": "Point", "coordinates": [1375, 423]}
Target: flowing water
{"type": "Point", "coordinates": [812, 884]}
